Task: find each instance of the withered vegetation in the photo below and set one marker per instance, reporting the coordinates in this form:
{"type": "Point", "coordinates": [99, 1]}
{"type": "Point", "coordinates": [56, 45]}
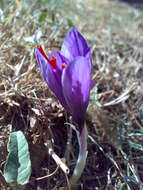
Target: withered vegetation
{"type": "Point", "coordinates": [114, 31]}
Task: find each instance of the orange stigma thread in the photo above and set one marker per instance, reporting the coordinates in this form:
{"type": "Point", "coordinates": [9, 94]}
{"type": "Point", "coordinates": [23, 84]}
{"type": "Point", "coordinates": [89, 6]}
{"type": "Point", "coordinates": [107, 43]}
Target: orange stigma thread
{"type": "Point", "coordinates": [63, 65]}
{"type": "Point", "coordinates": [52, 61]}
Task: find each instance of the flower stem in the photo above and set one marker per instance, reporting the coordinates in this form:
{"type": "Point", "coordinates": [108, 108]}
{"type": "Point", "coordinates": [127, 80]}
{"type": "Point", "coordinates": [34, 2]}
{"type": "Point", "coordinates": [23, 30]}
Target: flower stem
{"type": "Point", "coordinates": [81, 161]}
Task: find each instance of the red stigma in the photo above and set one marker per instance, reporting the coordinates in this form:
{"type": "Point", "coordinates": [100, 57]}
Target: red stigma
{"type": "Point", "coordinates": [52, 61]}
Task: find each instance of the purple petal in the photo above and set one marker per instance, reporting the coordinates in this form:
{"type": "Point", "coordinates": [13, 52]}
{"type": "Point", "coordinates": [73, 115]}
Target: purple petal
{"type": "Point", "coordinates": [92, 84]}
{"type": "Point", "coordinates": [51, 76]}
{"type": "Point", "coordinates": [88, 54]}
{"type": "Point", "coordinates": [76, 82]}
{"type": "Point", "coordinates": [74, 45]}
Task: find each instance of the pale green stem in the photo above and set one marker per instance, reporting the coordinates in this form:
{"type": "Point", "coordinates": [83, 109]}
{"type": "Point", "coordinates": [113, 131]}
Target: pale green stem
{"type": "Point", "coordinates": [81, 161]}
{"type": "Point", "coordinates": [68, 146]}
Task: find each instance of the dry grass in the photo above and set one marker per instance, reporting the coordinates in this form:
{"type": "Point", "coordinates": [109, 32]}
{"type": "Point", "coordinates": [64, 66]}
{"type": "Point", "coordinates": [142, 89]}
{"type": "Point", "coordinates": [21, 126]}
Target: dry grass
{"type": "Point", "coordinates": [115, 155]}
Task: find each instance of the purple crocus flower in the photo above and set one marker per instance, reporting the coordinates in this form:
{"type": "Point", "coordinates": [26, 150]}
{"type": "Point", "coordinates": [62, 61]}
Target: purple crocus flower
{"type": "Point", "coordinates": [68, 74]}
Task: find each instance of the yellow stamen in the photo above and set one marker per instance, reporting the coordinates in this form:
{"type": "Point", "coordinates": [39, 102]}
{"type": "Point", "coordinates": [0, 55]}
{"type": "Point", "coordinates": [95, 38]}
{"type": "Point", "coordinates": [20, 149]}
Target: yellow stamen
{"type": "Point", "coordinates": [63, 65]}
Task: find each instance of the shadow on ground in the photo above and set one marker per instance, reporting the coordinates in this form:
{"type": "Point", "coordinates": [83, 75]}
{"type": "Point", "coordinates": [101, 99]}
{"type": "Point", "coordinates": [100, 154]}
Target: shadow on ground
{"type": "Point", "coordinates": [137, 3]}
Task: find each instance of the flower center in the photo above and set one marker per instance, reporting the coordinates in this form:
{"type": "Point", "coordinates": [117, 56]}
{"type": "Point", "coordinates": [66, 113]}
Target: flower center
{"type": "Point", "coordinates": [52, 61]}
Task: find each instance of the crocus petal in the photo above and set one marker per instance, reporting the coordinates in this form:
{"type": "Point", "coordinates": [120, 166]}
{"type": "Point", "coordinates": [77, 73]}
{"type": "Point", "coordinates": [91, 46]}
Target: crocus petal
{"type": "Point", "coordinates": [74, 45]}
{"type": "Point", "coordinates": [76, 82]}
{"type": "Point", "coordinates": [51, 75]}
{"type": "Point", "coordinates": [92, 84]}
{"type": "Point", "coordinates": [88, 54]}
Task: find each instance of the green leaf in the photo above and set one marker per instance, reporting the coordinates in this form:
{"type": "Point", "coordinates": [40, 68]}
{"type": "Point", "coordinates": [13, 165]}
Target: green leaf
{"type": "Point", "coordinates": [43, 16]}
{"type": "Point", "coordinates": [17, 168]}
{"type": "Point", "coordinates": [70, 23]}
